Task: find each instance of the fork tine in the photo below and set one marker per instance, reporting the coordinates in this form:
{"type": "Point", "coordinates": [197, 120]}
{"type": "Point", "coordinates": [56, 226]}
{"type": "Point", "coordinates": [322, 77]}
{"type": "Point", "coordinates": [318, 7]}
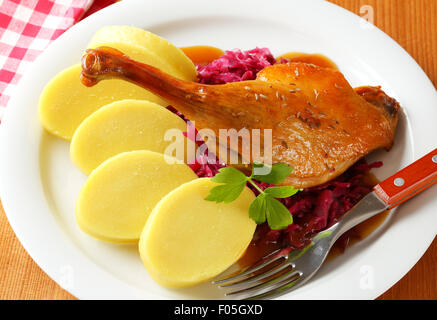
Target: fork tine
{"type": "Point", "coordinates": [286, 287]}
{"type": "Point", "coordinates": [263, 262]}
{"type": "Point", "coordinates": [259, 276]}
{"type": "Point", "coordinates": [284, 276]}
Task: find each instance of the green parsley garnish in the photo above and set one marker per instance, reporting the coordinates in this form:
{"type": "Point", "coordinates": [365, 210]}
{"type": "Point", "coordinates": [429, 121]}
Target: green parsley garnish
{"type": "Point", "coordinates": [265, 207]}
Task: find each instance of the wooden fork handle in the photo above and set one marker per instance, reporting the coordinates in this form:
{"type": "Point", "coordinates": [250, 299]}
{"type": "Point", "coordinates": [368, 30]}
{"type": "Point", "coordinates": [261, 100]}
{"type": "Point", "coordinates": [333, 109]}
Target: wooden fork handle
{"type": "Point", "coordinates": [409, 182]}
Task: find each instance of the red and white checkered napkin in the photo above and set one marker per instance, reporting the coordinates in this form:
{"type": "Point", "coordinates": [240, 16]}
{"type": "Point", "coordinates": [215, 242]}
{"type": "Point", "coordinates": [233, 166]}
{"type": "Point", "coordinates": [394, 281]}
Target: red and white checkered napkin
{"type": "Point", "coordinates": [26, 28]}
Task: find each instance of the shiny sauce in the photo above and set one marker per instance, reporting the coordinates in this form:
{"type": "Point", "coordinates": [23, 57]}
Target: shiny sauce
{"type": "Point", "coordinates": [365, 228]}
{"type": "Point", "coordinates": [259, 249]}
{"type": "Point", "coordinates": [311, 58]}
{"type": "Point", "coordinates": [202, 55]}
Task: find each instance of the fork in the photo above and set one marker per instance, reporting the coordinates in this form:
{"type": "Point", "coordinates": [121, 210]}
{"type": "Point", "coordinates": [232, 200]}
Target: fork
{"type": "Point", "coordinates": [283, 271]}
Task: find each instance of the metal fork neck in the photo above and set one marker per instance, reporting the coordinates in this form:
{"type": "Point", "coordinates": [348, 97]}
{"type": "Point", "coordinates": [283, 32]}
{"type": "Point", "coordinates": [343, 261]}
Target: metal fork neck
{"type": "Point", "coordinates": [368, 207]}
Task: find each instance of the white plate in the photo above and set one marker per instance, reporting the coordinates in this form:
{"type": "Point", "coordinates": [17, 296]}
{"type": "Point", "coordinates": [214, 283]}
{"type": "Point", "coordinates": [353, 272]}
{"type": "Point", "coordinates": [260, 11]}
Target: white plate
{"type": "Point", "coordinates": [39, 184]}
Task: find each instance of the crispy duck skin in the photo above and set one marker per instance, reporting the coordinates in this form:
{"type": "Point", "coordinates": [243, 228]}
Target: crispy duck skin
{"type": "Point", "coordinates": [320, 124]}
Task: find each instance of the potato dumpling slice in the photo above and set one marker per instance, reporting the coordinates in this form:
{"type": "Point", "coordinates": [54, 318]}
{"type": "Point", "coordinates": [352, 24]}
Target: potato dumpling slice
{"type": "Point", "coordinates": [132, 40]}
{"type": "Point", "coordinates": [114, 203]}
{"type": "Point", "coordinates": [188, 240]}
{"type": "Point", "coordinates": [121, 126]}
{"type": "Point", "coordinates": [65, 102]}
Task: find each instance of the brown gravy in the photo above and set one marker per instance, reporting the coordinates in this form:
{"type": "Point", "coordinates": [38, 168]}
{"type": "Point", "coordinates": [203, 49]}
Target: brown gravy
{"type": "Point", "coordinates": [312, 58]}
{"type": "Point", "coordinates": [259, 249]}
{"type": "Point", "coordinates": [205, 54]}
{"type": "Point", "coordinates": [202, 54]}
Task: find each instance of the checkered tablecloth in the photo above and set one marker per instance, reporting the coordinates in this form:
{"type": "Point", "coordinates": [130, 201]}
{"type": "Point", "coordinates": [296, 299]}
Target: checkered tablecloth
{"type": "Point", "coordinates": [26, 28]}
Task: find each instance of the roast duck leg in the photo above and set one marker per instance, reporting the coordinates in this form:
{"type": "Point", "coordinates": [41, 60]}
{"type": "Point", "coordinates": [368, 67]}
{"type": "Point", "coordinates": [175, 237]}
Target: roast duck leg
{"type": "Point", "coordinates": [320, 124]}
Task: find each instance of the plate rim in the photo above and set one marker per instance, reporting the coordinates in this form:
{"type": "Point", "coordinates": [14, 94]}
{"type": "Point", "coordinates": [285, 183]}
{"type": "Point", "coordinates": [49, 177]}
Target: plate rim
{"type": "Point", "coordinates": [9, 203]}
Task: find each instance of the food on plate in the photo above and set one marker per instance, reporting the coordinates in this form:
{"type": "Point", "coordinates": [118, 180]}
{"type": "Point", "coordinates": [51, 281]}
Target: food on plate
{"type": "Point", "coordinates": [121, 126]}
{"type": "Point", "coordinates": [190, 229]}
{"type": "Point", "coordinates": [318, 208]}
{"type": "Point", "coordinates": [202, 55]}
{"type": "Point", "coordinates": [65, 102]}
{"type": "Point", "coordinates": [266, 207]}
{"type": "Point", "coordinates": [235, 65]}
{"type": "Point", "coordinates": [310, 58]}
{"type": "Point", "coordinates": [320, 125]}
{"type": "Point", "coordinates": [188, 240]}
{"type": "Point", "coordinates": [118, 196]}
{"type": "Point", "coordinates": [142, 45]}
{"type": "Point", "coordinates": [313, 209]}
